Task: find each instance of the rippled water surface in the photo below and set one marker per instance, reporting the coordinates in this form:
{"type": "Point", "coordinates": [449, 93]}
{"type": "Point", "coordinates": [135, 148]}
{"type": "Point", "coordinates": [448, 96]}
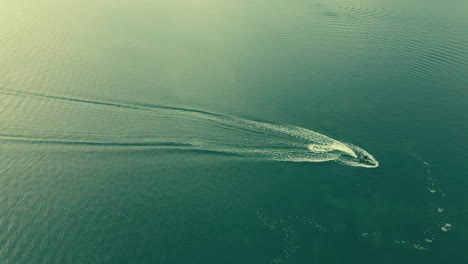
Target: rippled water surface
{"type": "Point", "coordinates": [203, 131]}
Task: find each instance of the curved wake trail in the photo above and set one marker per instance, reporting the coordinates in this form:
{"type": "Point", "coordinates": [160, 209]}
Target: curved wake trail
{"type": "Point", "coordinates": [49, 119]}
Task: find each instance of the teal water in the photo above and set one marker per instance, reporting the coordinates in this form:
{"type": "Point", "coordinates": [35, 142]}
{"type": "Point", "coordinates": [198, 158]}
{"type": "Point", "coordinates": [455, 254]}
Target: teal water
{"type": "Point", "coordinates": [233, 131]}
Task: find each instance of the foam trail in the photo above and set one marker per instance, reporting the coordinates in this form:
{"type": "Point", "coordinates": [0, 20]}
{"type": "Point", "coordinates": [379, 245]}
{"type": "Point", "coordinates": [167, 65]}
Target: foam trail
{"type": "Point", "coordinates": [50, 119]}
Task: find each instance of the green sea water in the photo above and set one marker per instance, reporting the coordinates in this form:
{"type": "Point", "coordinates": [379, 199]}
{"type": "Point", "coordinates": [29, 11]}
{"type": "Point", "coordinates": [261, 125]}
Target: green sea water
{"type": "Point", "coordinates": [222, 131]}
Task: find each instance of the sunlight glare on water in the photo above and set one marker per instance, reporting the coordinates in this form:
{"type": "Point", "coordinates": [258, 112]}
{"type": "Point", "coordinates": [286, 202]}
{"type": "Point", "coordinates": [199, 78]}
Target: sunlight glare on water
{"type": "Point", "coordinates": [173, 131]}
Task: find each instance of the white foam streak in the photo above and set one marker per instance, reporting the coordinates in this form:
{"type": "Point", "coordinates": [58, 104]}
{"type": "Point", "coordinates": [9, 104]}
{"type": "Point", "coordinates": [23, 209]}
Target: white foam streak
{"type": "Point", "coordinates": [163, 126]}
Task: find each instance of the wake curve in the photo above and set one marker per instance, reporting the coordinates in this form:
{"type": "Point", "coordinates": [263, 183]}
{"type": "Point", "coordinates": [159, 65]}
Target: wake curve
{"type": "Point", "coordinates": [58, 120]}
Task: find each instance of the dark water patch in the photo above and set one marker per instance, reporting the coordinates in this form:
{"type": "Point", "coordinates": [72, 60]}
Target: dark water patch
{"type": "Point", "coordinates": [330, 14]}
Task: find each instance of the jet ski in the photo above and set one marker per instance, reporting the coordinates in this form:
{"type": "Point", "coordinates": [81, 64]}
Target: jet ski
{"type": "Point", "coordinates": [366, 159]}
